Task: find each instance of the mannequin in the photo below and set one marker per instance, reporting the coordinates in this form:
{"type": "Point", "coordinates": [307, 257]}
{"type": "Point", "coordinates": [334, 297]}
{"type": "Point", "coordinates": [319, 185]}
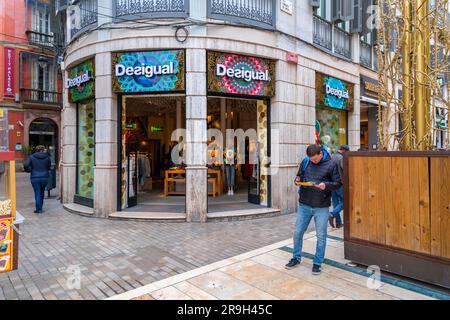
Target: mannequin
{"type": "Point", "coordinates": [229, 160]}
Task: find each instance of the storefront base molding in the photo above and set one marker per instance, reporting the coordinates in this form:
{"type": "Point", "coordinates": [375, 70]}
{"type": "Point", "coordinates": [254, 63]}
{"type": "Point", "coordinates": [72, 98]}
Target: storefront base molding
{"type": "Point", "coordinates": [79, 209]}
{"type": "Point", "coordinates": [236, 215]}
{"type": "Point", "coordinates": [149, 216]}
{"type": "Point", "coordinates": [243, 214]}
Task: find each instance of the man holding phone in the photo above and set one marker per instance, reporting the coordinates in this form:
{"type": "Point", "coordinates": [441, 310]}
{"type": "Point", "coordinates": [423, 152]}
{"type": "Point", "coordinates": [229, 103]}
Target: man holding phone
{"type": "Point", "coordinates": [317, 177]}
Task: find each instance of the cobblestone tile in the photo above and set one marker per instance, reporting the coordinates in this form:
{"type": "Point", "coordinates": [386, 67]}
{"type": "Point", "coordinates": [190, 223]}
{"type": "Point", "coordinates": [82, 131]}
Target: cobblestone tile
{"type": "Point", "coordinates": [109, 251]}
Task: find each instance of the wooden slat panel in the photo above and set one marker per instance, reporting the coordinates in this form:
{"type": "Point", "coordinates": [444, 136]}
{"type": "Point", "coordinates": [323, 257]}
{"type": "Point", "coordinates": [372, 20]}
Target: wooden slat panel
{"type": "Point", "coordinates": [364, 218]}
{"type": "Point", "coordinates": [424, 207]}
{"type": "Point", "coordinates": [388, 203]}
{"type": "Point", "coordinates": [440, 207]}
{"type": "Point", "coordinates": [394, 217]}
{"type": "Point", "coordinates": [412, 216]}
{"type": "Point", "coordinates": [376, 227]}
{"type": "Point", "coordinates": [355, 174]}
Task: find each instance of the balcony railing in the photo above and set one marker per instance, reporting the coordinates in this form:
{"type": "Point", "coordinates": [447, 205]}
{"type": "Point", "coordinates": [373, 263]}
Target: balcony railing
{"type": "Point", "coordinates": [41, 39]}
{"type": "Point", "coordinates": [342, 42]}
{"type": "Point", "coordinates": [40, 96]}
{"type": "Point", "coordinates": [322, 32]}
{"type": "Point", "coordinates": [365, 57]}
{"type": "Point", "coordinates": [368, 56]}
{"type": "Point", "coordinates": [138, 9]}
{"type": "Point", "coordinates": [331, 37]}
{"type": "Point", "coordinates": [88, 15]}
{"type": "Point", "coordinates": [259, 13]}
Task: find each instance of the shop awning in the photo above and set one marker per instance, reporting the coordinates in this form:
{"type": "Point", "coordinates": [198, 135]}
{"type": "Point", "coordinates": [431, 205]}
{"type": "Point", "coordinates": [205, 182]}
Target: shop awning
{"type": "Point", "coordinates": [372, 101]}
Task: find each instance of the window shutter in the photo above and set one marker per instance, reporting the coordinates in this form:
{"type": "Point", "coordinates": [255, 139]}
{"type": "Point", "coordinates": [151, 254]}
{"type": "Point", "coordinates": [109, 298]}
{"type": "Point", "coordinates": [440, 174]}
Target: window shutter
{"type": "Point", "coordinates": [366, 16]}
{"type": "Point", "coordinates": [314, 3]}
{"type": "Point", "coordinates": [336, 11]}
{"type": "Point", "coordinates": [356, 22]}
{"type": "Point", "coordinates": [347, 11]}
{"type": "Point", "coordinates": [341, 10]}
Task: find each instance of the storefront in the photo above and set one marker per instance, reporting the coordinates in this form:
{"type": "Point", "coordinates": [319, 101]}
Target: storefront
{"type": "Point", "coordinates": [150, 88]}
{"type": "Point", "coordinates": [81, 86]}
{"type": "Point", "coordinates": [369, 113]}
{"type": "Point", "coordinates": [239, 92]}
{"type": "Point", "coordinates": [334, 100]}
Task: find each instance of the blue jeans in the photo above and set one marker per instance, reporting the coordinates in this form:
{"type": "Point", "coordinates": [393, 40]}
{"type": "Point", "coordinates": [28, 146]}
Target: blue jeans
{"type": "Point", "coordinates": [338, 204]}
{"type": "Point", "coordinates": [39, 185]}
{"type": "Point", "coordinates": [230, 171]}
{"type": "Point", "coordinates": [304, 215]}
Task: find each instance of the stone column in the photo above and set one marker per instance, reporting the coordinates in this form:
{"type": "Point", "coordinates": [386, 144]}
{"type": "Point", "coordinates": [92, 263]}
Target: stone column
{"type": "Point", "coordinates": [105, 170]}
{"type": "Point", "coordinates": [69, 147]}
{"type": "Point", "coordinates": [287, 117]}
{"type": "Point", "coordinates": [354, 122]}
{"type": "Point", "coordinates": [196, 136]}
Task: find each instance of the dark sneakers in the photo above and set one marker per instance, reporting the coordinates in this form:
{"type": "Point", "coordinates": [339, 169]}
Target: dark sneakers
{"type": "Point", "coordinates": [316, 270]}
{"type": "Point", "coordinates": [331, 221]}
{"type": "Point", "coordinates": [292, 263]}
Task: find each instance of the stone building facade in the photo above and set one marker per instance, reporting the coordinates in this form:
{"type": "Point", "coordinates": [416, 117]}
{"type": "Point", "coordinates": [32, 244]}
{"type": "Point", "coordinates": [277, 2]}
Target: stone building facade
{"type": "Point", "coordinates": [290, 37]}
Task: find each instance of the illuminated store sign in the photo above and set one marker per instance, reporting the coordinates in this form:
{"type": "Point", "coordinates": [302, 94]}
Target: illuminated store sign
{"type": "Point", "coordinates": [148, 71]}
{"type": "Point", "coordinates": [333, 93]}
{"type": "Point", "coordinates": [240, 75]}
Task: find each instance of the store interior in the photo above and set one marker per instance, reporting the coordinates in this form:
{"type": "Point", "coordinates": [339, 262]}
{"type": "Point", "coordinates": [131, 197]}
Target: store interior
{"type": "Point", "coordinates": [154, 182]}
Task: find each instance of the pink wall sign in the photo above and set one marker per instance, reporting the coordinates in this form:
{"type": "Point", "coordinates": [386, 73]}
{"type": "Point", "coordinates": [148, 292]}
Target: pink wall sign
{"type": "Point", "coordinates": [9, 72]}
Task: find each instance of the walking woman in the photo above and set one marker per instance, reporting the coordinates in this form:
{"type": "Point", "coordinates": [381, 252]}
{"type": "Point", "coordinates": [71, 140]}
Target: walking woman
{"type": "Point", "coordinates": [38, 164]}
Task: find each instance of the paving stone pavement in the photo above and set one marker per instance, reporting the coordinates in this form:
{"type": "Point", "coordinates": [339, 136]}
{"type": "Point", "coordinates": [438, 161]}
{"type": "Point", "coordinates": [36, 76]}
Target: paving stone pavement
{"type": "Point", "coordinates": [116, 256]}
{"type": "Point", "coordinates": [260, 274]}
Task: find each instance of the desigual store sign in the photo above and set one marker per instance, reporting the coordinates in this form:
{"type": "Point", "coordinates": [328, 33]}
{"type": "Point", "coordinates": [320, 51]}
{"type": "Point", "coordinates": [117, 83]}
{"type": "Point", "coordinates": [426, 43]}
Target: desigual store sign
{"type": "Point", "coordinates": [240, 75]}
{"type": "Point", "coordinates": [333, 93]}
{"type": "Point", "coordinates": [81, 82]}
{"type": "Point", "coordinates": [148, 71]}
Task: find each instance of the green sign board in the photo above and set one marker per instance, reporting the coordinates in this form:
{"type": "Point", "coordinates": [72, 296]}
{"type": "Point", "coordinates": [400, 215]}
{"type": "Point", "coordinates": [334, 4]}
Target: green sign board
{"type": "Point", "coordinates": [81, 83]}
{"type": "Point", "coordinates": [333, 93]}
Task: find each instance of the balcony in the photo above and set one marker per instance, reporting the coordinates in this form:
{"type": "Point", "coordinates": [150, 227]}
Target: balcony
{"type": "Point", "coordinates": [41, 39]}
{"type": "Point", "coordinates": [139, 9]}
{"type": "Point", "coordinates": [258, 13]}
{"type": "Point", "coordinates": [368, 56]}
{"type": "Point", "coordinates": [88, 16]}
{"type": "Point", "coordinates": [342, 42]}
{"type": "Point", "coordinates": [322, 32]}
{"type": "Point", "coordinates": [40, 96]}
{"type": "Point", "coordinates": [332, 38]}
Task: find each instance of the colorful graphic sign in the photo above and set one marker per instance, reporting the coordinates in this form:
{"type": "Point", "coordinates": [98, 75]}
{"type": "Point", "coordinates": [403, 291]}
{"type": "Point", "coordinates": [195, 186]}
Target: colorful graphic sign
{"type": "Point", "coordinates": [9, 72]}
{"type": "Point", "coordinates": [333, 93]}
{"type": "Point", "coordinates": [81, 83]}
{"type": "Point", "coordinates": [148, 71]}
{"type": "Point", "coordinates": [6, 245]}
{"type": "Point", "coordinates": [241, 75]}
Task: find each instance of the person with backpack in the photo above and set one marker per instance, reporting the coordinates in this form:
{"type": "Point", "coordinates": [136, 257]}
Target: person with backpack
{"type": "Point", "coordinates": [338, 196]}
{"type": "Point", "coordinates": [317, 177]}
{"type": "Point", "coordinates": [38, 164]}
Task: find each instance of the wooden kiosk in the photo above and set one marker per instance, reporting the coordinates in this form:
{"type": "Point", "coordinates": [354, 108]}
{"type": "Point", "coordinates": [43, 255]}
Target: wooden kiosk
{"type": "Point", "coordinates": [397, 212]}
{"type": "Point", "coordinates": [9, 236]}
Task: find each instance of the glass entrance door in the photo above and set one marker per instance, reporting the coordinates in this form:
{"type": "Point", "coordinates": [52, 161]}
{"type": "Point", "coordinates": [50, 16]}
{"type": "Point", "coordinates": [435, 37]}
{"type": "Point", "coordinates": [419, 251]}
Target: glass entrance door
{"type": "Point", "coordinates": [132, 175]}
{"type": "Point", "coordinates": [254, 178]}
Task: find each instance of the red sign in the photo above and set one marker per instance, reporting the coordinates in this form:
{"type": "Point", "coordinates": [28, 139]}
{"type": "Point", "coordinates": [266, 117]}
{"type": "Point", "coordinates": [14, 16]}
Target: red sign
{"type": "Point", "coordinates": [9, 72]}
{"type": "Point", "coordinates": [292, 57]}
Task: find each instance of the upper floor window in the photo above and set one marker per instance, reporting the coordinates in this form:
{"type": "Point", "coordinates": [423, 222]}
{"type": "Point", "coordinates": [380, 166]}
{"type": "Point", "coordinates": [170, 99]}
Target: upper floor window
{"type": "Point", "coordinates": [40, 19]}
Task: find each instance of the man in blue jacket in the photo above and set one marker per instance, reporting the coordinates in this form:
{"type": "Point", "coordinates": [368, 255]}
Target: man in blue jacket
{"type": "Point", "coordinates": [322, 172]}
{"type": "Point", "coordinates": [39, 164]}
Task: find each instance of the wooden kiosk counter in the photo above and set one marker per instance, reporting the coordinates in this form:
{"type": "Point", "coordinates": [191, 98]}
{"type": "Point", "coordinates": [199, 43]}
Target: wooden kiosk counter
{"type": "Point", "coordinates": [9, 218]}
{"type": "Point", "coordinates": [397, 213]}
